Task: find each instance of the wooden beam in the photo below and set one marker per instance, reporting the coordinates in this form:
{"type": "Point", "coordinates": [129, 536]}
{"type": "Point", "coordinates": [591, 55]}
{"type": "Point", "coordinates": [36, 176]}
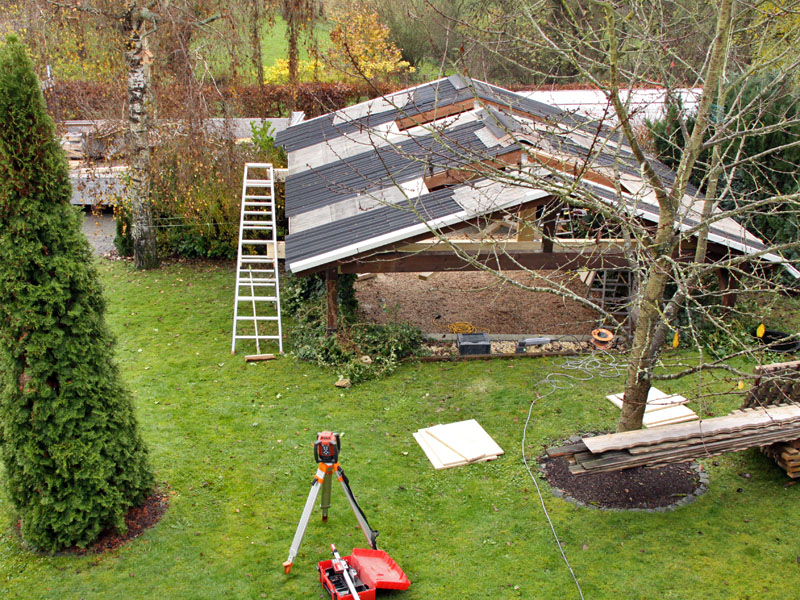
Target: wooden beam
{"type": "Point", "coordinates": [525, 224]}
{"type": "Point", "coordinates": [331, 277]}
{"type": "Point", "coordinates": [549, 222]}
{"type": "Point", "coordinates": [399, 262]}
{"type": "Point", "coordinates": [439, 112]}
{"type": "Point", "coordinates": [727, 284]}
{"type": "Point", "coordinates": [482, 168]}
{"type": "Point", "coordinates": [614, 245]}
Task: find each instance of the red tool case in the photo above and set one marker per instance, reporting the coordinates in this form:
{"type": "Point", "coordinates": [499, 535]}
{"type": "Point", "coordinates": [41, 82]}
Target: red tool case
{"type": "Point", "coordinates": [375, 568]}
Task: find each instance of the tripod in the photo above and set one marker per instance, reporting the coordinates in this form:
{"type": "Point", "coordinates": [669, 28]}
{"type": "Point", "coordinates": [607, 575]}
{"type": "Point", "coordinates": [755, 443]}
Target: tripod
{"type": "Point", "coordinates": [326, 454]}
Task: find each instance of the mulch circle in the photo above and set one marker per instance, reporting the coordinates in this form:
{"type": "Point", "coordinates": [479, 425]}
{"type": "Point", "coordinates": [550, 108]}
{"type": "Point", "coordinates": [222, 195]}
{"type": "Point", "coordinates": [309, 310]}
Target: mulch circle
{"type": "Point", "coordinates": [637, 488]}
{"type": "Point", "coordinates": [139, 519]}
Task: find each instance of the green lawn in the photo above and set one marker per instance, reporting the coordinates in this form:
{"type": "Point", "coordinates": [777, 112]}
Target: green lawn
{"type": "Point", "coordinates": [274, 46]}
{"type": "Point", "coordinates": [231, 442]}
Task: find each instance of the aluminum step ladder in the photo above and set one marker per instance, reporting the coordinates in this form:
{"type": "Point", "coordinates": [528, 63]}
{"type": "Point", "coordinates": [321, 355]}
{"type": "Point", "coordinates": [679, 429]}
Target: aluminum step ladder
{"type": "Point", "coordinates": [257, 300]}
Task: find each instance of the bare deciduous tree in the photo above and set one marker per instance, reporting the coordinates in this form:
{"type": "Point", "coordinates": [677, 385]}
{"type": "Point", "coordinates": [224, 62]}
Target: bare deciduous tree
{"type": "Point", "coordinates": [679, 268]}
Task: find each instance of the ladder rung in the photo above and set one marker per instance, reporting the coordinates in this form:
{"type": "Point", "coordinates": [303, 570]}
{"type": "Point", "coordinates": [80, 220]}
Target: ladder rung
{"type": "Point", "coordinates": [256, 318]}
{"type": "Point", "coordinates": [258, 337]}
{"type": "Point", "coordinates": [256, 228]}
{"type": "Point", "coordinates": [257, 212]}
{"type": "Point", "coordinates": [256, 281]}
{"type": "Point", "coordinates": [257, 259]}
{"type": "Point", "coordinates": [257, 299]}
{"type": "Point", "coordinates": [259, 183]}
{"type": "Point", "coordinates": [258, 204]}
{"type": "Point", "coordinates": [250, 284]}
{"type": "Point", "coordinates": [257, 197]}
{"type": "Point", "coordinates": [257, 242]}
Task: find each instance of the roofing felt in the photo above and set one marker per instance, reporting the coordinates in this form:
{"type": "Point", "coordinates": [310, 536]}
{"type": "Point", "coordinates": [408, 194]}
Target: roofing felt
{"type": "Point", "coordinates": [439, 93]}
{"type": "Point", "coordinates": [376, 168]}
{"type": "Point", "coordinates": [310, 242]}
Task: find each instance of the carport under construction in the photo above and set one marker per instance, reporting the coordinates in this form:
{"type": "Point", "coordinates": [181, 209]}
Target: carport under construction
{"type": "Point", "coordinates": [382, 186]}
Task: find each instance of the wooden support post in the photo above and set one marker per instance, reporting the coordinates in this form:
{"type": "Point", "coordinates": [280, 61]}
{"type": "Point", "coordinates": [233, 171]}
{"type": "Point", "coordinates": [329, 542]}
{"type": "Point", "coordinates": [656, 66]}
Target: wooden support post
{"type": "Point", "coordinates": [727, 284]}
{"type": "Point", "coordinates": [331, 277]}
{"type": "Point", "coordinates": [526, 232]}
{"type": "Point", "coordinates": [549, 223]}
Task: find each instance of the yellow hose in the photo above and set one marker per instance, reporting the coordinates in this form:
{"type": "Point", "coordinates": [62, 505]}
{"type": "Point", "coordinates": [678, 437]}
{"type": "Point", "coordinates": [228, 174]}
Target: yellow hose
{"type": "Point", "coordinates": [462, 327]}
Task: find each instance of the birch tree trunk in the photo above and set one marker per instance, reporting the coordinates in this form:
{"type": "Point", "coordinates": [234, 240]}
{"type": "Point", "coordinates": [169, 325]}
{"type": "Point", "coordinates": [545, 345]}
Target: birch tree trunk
{"type": "Point", "coordinates": [140, 114]}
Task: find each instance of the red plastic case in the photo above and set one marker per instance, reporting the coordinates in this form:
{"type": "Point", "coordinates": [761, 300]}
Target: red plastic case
{"type": "Point", "coordinates": [375, 570]}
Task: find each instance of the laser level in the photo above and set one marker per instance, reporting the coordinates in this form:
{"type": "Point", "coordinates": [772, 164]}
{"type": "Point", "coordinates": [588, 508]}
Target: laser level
{"type": "Point", "coordinates": [326, 454]}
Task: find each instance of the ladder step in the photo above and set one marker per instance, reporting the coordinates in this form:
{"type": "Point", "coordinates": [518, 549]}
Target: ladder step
{"type": "Point", "coordinates": [256, 281]}
{"type": "Point", "coordinates": [256, 242]}
{"type": "Point", "coordinates": [257, 299]}
{"type": "Point", "coordinates": [258, 183]}
{"type": "Point", "coordinates": [251, 260]}
{"type": "Point", "coordinates": [257, 337]}
{"type": "Point", "coordinates": [257, 212]}
{"type": "Point", "coordinates": [248, 285]}
{"type": "Point", "coordinates": [256, 318]}
{"type": "Point", "coordinates": [258, 204]}
{"type": "Point", "coordinates": [257, 197]}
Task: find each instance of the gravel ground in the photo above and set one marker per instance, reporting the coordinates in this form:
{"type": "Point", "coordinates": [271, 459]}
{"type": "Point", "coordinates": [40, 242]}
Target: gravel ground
{"type": "Point", "coordinates": [100, 231]}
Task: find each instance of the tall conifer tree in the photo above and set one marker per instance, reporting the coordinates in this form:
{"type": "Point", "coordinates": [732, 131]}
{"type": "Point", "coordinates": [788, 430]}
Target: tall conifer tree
{"type": "Point", "coordinates": [74, 461]}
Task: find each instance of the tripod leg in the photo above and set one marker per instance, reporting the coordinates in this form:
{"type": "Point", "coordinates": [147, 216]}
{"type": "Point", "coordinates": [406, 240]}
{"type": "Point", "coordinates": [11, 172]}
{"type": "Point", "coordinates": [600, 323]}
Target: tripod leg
{"type": "Point", "coordinates": [319, 478]}
{"type": "Point", "coordinates": [369, 532]}
{"type": "Point", "coordinates": [325, 503]}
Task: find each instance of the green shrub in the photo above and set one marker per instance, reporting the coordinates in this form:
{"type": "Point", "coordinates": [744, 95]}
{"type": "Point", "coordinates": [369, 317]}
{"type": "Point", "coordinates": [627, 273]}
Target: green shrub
{"type": "Point", "coordinates": [74, 461]}
{"type": "Point", "coordinates": [196, 186]}
{"type": "Point", "coordinates": [357, 351]}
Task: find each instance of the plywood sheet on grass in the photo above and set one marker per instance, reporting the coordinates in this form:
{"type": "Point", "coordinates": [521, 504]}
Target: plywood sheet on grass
{"type": "Point", "coordinates": [466, 438]}
{"type": "Point", "coordinates": [440, 455]}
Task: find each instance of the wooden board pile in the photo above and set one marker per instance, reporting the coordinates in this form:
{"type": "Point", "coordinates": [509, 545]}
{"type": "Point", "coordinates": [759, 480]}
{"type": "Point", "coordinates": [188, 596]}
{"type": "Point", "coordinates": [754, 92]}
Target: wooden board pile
{"type": "Point", "coordinates": [787, 455]}
{"type": "Point", "coordinates": [457, 444]}
{"type": "Point", "coordinates": [775, 384]}
{"type": "Point", "coordinates": [746, 428]}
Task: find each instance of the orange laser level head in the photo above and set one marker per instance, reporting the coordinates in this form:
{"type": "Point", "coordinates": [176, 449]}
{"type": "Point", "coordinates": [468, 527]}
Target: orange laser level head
{"type": "Point", "coordinates": [326, 448]}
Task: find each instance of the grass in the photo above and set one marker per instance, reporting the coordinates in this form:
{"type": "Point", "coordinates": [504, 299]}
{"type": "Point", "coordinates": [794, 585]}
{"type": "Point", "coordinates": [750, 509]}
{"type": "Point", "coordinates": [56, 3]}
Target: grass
{"type": "Point", "coordinates": [274, 46]}
{"type": "Point", "coordinates": [231, 442]}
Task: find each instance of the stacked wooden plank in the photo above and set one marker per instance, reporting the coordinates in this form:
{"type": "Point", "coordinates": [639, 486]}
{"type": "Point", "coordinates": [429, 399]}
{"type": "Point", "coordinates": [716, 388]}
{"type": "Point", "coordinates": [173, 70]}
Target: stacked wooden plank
{"type": "Point", "coordinates": [787, 455]}
{"type": "Point", "coordinates": [747, 428]}
{"type": "Point", "coordinates": [775, 384]}
{"type": "Point", "coordinates": [457, 444]}
{"type": "Point", "coordinates": [661, 408]}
